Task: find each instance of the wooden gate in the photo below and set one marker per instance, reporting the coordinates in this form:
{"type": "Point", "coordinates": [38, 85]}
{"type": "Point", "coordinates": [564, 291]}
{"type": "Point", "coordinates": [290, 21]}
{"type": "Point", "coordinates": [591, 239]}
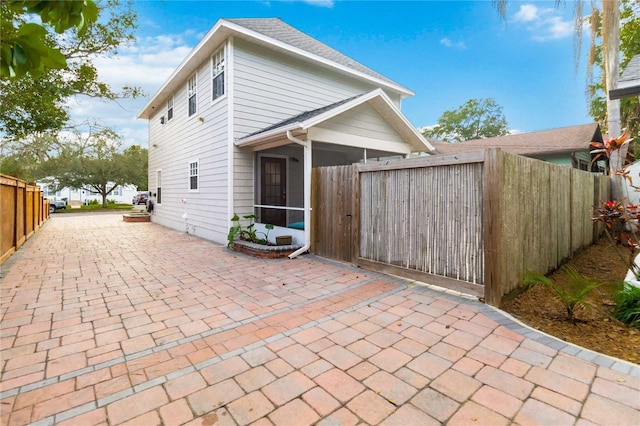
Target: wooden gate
{"type": "Point", "coordinates": [334, 214]}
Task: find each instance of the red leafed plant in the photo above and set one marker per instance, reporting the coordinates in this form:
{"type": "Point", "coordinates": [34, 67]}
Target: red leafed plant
{"type": "Point", "coordinates": [620, 220]}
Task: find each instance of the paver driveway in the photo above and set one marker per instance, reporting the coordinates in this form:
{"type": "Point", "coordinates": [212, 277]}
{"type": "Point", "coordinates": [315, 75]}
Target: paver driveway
{"type": "Point", "coordinates": [106, 322]}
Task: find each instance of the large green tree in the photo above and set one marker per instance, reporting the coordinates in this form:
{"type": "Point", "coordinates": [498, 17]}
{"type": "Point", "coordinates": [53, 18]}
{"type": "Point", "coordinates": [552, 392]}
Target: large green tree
{"type": "Point", "coordinates": [95, 161]}
{"type": "Point", "coordinates": [34, 95]}
{"type": "Point", "coordinates": [476, 119]}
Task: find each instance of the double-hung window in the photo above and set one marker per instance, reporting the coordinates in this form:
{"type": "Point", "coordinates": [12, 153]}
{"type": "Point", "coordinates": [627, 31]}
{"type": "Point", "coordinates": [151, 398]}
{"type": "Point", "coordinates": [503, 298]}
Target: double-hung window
{"type": "Point", "coordinates": [217, 73]}
{"type": "Point", "coordinates": [191, 95]}
{"type": "Point", "coordinates": [193, 176]}
{"type": "Point", "coordinates": [170, 108]}
{"type": "Point", "coordinates": [159, 186]}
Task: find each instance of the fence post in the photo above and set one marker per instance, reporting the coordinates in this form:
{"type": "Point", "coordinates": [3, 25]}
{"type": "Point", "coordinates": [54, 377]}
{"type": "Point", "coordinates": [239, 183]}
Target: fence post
{"type": "Point", "coordinates": [355, 215]}
{"type": "Point", "coordinates": [492, 218]}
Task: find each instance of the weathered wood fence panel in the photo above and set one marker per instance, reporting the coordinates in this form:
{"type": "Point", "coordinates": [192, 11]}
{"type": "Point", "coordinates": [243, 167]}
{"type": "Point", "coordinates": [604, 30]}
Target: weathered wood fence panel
{"type": "Point", "coordinates": [22, 211]}
{"type": "Point", "coordinates": [425, 218]}
{"type": "Point", "coordinates": [546, 213]}
{"type": "Point", "coordinates": [334, 223]}
{"type": "Point", "coordinates": [483, 218]}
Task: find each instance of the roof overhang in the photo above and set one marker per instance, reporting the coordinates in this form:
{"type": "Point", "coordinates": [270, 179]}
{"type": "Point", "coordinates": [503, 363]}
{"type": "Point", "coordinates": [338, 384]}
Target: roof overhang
{"type": "Point", "coordinates": [628, 84]}
{"type": "Point", "coordinates": [220, 32]}
{"type": "Point", "coordinates": [624, 92]}
{"type": "Point", "coordinates": [311, 129]}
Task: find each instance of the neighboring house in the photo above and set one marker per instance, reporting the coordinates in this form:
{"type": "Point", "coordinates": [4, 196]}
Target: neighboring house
{"type": "Point", "coordinates": [628, 84]}
{"type": "Point", "coordinates": [568, 146]}
{"type": "Point", "coordinates": [241, 122]}
{"type": "Point", "coordinates": [74, 196]}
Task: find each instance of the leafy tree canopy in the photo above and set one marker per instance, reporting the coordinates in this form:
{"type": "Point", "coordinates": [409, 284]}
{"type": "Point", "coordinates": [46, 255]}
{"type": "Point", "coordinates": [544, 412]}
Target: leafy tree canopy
{"type": "Point", "coordinates": [95, 161]}
{"type": "Point", "coordinates": [476, 119]}
{"type": "Point", "coordinates": [26, 47]}
{"type": "Point", "coordinates": [34, 94]}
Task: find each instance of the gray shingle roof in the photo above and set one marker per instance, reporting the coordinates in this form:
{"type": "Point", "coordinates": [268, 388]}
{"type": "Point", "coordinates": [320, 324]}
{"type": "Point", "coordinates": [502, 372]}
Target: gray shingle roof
{"type": "Point", "coordinates": [277, 29]}
{"type": "Point", "coordinates": [631, 72]}
{"type": "Point", "coordinates": [532, 144]}
{"type": "Point", "coordinates": [629, 81]}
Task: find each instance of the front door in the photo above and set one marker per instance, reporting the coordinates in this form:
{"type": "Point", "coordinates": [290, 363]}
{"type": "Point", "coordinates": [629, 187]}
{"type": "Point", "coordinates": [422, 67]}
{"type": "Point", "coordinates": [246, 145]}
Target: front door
{"type": "Point", "coordinates": [273, 190]}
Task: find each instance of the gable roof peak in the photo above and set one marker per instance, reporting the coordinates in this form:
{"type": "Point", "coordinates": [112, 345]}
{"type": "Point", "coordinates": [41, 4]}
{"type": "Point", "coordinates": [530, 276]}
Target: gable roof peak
{"type": "Point", "coordinates": [277, 29]}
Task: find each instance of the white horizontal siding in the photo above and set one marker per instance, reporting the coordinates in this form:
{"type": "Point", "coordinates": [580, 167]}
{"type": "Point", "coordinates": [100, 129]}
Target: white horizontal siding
{"type": "Point", "coordinates": [270, 87]}
{"type": "Point", "coordinates": [174, 145]}
{"type": "Point", "coordinates": [364, 121]}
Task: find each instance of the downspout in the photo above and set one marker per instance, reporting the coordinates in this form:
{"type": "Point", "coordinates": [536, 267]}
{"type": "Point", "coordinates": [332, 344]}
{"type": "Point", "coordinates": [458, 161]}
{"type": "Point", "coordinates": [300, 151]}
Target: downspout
{"type": "Point", "coordinates": [307, 194]}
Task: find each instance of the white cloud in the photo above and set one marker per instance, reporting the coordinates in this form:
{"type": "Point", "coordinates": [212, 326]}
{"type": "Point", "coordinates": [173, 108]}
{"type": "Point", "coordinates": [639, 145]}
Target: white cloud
{"type": "Point", "coordinates": [320, 3]}
{"type": "Point", "coordinates": [446, 41]}
{"type": "Point", "coordinates": [147, 65]}
{"type": "Point", "coordinates": [527, 13]}
{"type": "Point", "coordinates": [543, 23]}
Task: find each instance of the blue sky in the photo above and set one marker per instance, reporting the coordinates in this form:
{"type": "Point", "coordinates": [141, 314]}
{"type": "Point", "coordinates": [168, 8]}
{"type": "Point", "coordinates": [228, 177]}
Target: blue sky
{"type": "Point", "coordinates": [446, 52]}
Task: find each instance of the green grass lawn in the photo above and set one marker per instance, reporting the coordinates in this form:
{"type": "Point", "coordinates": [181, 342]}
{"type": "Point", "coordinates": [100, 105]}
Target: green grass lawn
{"type": "Point", "coordinates": [94, 207]}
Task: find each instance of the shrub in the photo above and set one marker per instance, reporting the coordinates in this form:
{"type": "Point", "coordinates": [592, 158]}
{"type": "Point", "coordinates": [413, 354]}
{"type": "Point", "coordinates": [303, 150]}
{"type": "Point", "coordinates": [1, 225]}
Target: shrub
{"type": "Point", "coordinates": [627, 307]}
{"type": "Point", "coordinates": [247, 233]}
{"type": "Point", "coordinates": [571, 298]}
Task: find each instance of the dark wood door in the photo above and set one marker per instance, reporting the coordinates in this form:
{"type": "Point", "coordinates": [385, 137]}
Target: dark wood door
{"type": "Point", "coordinates": [273, 190]}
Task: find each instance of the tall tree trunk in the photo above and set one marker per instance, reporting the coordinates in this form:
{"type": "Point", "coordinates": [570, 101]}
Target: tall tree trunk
{"type": "Point", "coordinates": [611, 60]}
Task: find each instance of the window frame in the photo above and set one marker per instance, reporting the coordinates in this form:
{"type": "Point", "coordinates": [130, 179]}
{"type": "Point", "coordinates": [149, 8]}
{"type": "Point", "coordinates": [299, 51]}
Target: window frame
{"type": "Point", "coordinates": [159, 186]}
{"type": "Point", "coordinates": [191, 176]}
{"type": "Point", "coordinates": [218, 68]}
{"type": "Point", "coordinates": [170, 108]}
{"type": "Point", "coordinates": [192, 92]}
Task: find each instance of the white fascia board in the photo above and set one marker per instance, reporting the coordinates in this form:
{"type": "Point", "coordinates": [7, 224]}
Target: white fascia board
{"type": "Point", "coordinates": [266, 136]}
{"type": "Point", "coordinates": [403, 91]}
{"type": "Point", "coordinates": [419, 140]}
{"type": "Point", "coordinates": [318, 134]}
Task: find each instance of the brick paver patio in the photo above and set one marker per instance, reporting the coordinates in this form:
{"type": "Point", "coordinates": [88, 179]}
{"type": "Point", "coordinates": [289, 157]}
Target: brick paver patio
{"type": "Point", "coordinates": [106, 322]}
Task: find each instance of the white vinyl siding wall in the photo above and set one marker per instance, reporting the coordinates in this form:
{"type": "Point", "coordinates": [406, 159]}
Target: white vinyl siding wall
{"type": "Point", "coordinates": [270, 87]}
{"type": "Point", "coordinates": [363, 121]}
{"type": "Point", "coordinates": [173, 146]}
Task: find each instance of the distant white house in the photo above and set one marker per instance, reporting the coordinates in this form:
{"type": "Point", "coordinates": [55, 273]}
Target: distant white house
{"type": "Point", "coordinates": [122, 194]}
{"type": "Point", "coordinates": [240, 123]}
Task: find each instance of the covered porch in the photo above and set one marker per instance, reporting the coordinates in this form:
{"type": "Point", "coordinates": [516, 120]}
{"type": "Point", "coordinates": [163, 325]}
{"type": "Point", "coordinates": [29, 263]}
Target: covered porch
{"type": "Point", "coordinates": [364, 128]}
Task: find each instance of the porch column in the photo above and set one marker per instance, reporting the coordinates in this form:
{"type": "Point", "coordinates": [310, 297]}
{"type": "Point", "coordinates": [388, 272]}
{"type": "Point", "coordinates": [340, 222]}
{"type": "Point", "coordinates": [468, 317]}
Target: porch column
{"type": "Point", "coordinates": [307, 193]}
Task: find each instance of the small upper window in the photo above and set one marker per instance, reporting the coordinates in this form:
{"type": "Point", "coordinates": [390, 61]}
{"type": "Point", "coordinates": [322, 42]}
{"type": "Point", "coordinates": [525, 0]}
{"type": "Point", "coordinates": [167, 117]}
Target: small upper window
{"type": "Point", "coordinates": [217, 73]}
{"type": "Point", "coordinates": [170, 108]}
{"type": "Point", "coordinates": [191, 94]}
{"type": "Point", "coordinates": [193, 175]}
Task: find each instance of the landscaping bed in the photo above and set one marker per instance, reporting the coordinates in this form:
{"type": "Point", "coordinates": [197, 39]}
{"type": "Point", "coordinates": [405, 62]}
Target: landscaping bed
{"type": "Point", "coordinates": [596, 329]}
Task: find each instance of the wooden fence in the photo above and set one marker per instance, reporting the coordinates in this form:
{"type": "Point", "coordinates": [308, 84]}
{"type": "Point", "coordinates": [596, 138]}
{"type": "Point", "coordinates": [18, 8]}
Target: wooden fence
{"type": "Point", "coordinates": [334, 217]}
{"type": "Point", "coordinates": [22, 211]}
{"type": "Point", "coordinates": [482, 219]}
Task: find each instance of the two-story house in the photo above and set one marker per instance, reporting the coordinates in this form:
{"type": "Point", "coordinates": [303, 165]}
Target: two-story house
{"type": "Point", "coordinates": [240, 123]}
